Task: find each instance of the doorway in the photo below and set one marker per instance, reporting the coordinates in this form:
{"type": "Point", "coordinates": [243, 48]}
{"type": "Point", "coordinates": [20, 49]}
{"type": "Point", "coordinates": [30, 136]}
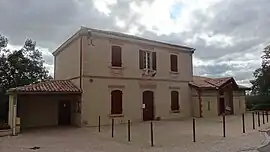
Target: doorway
{"type": "Point", "coordinates": [64, 113]}
{"type": "Point", "coordinates": [148, 108]}
{"type": "Point", "coordinates": [221, 106]}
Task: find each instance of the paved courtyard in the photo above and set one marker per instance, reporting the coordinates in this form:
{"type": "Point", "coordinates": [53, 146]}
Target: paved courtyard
{"type": "Point", "coordinates": [173, 135]}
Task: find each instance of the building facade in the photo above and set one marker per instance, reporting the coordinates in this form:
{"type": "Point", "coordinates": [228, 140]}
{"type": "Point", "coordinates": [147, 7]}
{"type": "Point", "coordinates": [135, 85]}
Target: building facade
{"type": "Point", "coordinates": [126, 77]}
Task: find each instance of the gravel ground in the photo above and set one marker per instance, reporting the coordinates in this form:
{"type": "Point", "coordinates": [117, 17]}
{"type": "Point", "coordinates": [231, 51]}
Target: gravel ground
{"type": "Point", "coordinates": [168, 136]}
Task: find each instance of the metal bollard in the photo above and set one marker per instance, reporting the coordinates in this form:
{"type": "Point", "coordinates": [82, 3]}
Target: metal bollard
{"type": "Point", "coordinates": [259, 120]}
{"type": "Point", "coordinates": [98, 123]}
{"type": "Point", "coordinates": [128, 130]}
{"type": "Point", "coordinates": [112, 127]}
{"type": "Point", "coordinates": [224, 125]}
{"type": "Point", "coordinates": [253, 120]}
{"type": "Point", "coordinates": [152, 134]}
{"type": "Point", "coordinates": [194, 130]}
{"type": "Point", "coordinates": [263, 117]}
{"type": "Point", "coordinates": [267, 116]}
{"type": "Point", "coordinates": [243, 123]}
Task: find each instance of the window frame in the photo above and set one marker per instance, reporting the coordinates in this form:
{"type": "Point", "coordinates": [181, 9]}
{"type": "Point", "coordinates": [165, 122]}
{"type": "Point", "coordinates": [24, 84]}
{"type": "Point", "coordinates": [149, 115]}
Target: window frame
{"type": "Point", "coordinates": [148, 60]}
{"type": "Point", "coordinates": [175, 103]}
{"type": "Point", "coordinates": [114, 61]}
{"type": "Point", "coordinates": [176, 70]}
{"type": "Point", "coordinates": [114, 109]}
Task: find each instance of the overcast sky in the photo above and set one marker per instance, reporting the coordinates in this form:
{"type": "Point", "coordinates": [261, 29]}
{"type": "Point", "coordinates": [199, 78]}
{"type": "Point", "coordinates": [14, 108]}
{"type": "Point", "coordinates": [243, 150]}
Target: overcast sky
{"type": "Point", "coordinates": [228, 35]}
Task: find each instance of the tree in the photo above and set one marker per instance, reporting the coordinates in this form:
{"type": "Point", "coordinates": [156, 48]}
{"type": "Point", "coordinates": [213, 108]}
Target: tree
{"type": "Point", "coordinates": [20, 67]}
{"type": "Point", "coordinates": [261, 83]}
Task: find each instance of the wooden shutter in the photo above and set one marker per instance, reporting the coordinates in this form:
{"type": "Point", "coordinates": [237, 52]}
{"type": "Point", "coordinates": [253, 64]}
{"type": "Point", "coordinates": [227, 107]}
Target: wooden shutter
{"type": "Point", "coordinates": [141, 55]}
{"type": "Point", "coordinates": [154, 60]}
{"type": "Point", "coordinates": [116, 56]}
{"type": "Point", "coordinates": [174, 63]}
{"type": "Point", "coordinates": [116, 102]}
{"type": "Point", "coordinates": [174, 100]}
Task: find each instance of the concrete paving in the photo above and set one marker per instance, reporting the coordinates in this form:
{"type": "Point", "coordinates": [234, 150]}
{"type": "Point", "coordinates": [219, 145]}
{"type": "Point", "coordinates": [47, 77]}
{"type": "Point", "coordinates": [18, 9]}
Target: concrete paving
{"type": "Point", "coordinates": [169, 135]}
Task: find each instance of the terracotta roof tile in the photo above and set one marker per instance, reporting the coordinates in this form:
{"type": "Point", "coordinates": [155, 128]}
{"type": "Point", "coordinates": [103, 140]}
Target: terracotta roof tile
{"type": "Point", "coordinates": [205, 82]}
{"type": "Point", "coordinates": [49, 86]}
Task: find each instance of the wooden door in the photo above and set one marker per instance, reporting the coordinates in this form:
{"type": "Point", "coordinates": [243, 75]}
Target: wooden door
{"type": "Point", "coordinates": [64, 112]}
{"type": "Point", "coordinates": [148, 109]}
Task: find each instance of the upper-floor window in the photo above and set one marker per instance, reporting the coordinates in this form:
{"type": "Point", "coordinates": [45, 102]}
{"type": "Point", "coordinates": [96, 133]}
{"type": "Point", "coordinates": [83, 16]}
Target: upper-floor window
{"type": "Point", "coordinates": [116, 102]}
{"type": "Point", "coordinates": [147, 60]}
{"type": "Point", "coordinates": [116, 56]}
{"type": "Point", "coordinates": [174, 62]}
{"type": "Point", "coordinates": [174, 101]}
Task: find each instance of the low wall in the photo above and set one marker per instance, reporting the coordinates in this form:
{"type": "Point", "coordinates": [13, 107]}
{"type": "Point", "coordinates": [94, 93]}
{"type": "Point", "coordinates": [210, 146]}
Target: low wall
{"type": "Point", "coordinates": [5, 132]}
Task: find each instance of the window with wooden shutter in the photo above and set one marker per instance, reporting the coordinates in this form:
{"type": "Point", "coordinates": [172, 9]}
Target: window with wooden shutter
{"type": "Point", "coordinates": [116, 56]}
{"type": "Point", "coordinates": [116, 102]}
{"type": "Point", "coordinates": [174, 101]}
{"type": "Point", "coordinates": [174, 63]}
{"type": "Point", "coordinates": [147, 60]}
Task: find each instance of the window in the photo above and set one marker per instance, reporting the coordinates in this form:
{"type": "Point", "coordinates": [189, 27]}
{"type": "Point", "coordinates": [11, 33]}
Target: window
{"type": "Point", "coordinates": [174, 101]}
{"type": "Point", "coordinates": [174, 63]}
{"type": "Point", "coordinates": [147, 60]}
{"type": "Point", "coordinates": [116, 102]}
{"type": "Point", "coordinates": [116, 56]}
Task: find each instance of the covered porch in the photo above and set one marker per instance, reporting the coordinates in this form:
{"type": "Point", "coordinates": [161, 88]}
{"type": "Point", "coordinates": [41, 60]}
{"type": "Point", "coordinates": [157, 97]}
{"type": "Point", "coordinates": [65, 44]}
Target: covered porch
{"type": "Point", "coordinates": [45, 104]}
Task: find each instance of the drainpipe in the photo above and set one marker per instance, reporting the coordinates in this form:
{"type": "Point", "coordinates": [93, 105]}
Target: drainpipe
{"type": "Point", "coordinates": [200, 102]}
{"type": "Point", "coordinates": [81, 43]}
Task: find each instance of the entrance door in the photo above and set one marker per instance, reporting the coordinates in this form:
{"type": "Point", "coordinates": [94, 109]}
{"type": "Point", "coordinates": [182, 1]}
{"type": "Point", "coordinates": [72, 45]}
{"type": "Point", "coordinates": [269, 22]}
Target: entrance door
{"type": "Point", "coordinates": [64, 112]}
{"type": "Point", "coordinates": [221, 106]}
{"type": "Point", "coordinates": [148, 109]}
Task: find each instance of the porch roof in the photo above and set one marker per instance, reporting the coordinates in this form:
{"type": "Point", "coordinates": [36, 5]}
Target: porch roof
{"type": "Point", "coordinates": [52, 86]}
{"type": "Point", "coordinates": [213, 83]}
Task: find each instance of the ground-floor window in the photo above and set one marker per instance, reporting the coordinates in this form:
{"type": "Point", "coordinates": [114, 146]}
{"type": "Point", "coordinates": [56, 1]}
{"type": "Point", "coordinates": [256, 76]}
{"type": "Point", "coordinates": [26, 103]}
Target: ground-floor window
{"type": "Point", "coordinates": [174, 101]}
{"type": "Point", "coordinates": [116, 102]}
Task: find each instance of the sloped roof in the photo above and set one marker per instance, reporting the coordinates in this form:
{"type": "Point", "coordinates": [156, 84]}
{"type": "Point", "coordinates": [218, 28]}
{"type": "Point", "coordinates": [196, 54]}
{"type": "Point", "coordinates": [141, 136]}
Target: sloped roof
{"type": "Point", "coordinates": [212, 83]}
{"type": "Point", "coordinates": [65, 86]}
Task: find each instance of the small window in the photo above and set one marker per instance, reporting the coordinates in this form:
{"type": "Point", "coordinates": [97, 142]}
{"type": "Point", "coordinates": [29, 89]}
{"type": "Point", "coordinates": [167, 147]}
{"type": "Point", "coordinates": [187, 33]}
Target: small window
{"type": "Point", "coordinates": [221, 93]}
{"type": "Point", "coordinates": [116, 102]}
{"type": "Point", "coordinates": [174, 100]}
{"type": "Point", "coordinates": [116, 56]}
{"type": "Point", "coordinates": [174, 63]}
{"type": "Point", "coordinates": [147, 60]}
{"type": "Point", "coordinates": [208, 105]}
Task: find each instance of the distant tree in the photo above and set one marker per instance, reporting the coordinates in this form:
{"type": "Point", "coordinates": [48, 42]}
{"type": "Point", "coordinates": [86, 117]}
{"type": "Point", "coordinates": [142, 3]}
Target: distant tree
{"type": "Point", "coordinates": [261, 83]}
{"type": "Point", "coordinates": [20, 67]}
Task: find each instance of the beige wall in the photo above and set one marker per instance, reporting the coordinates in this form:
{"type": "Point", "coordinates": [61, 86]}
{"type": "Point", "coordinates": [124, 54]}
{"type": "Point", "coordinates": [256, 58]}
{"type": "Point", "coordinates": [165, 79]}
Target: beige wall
{"type": "Point", "coordinates": [67, 62]}
{"type": "Point", "coordinates": [96, 99]}
{"type": "Point", "coordinates": [42, 110]}
{"type": "Point", "coordinates": [239, 101]}
{"type": "Point", "coordinates": [100, 55]}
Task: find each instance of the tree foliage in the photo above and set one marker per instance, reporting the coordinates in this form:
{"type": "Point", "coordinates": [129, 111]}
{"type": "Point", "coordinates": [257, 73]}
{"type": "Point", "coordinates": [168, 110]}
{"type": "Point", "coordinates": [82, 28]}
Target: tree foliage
{"type": "Point", "coordinates": [261, 83]}
{"type": "Point", "coordinates": [20, 67]}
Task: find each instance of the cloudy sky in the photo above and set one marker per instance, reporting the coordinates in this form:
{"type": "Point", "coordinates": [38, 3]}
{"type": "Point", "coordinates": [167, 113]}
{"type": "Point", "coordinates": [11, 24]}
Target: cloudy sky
{"type": "Point", "coordinates": [228, 35]}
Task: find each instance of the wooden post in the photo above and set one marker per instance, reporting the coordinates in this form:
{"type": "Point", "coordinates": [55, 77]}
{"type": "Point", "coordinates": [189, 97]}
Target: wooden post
{"type": "Point", "coordinates": [152, 134]}
{"type": "Point", "coordinates": [224, 125]}
{"type": "Point", "coordinates": [194, 130]}
{"type": "Point", "coordinates": [128, 130]}
{"type": "Point", "coordinates": [263, 117]}
{"type": "Point", "coordinates": [112, 127]}
{"type": "Point", "coordinates": [259, 120]}
{"type": "Point", "coordinates": [243, 122]}
{"type": "Point", "coordinates": [98, 123]}
{"type": "Point", "coordinates": [253, 120]}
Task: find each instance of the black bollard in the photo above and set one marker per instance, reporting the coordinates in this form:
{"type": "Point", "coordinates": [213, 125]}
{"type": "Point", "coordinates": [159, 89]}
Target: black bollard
{"type": "Point", "coordinates": [259, 120]}
{"type": "Point", "coordinates": [194, 130]}
{"type": "Point", "coordinates": [152, 134]}
{"type": "Point", "coordinates": [224, 125]}
{"type": "Point", "coordinates": [112, 127]}
{"type": "Point", "coordinates": [267, 116]}
{"type": "Point", "coordinates": [263, 117]}
{"type": "Point", "coordinates": [243, 122]}
{"type": "Point", "coordinates": [253, 120]}
{"type": "Point", "coordinates": [128, 130]}
{"type": "Point", "coordinates": [98, 123]}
